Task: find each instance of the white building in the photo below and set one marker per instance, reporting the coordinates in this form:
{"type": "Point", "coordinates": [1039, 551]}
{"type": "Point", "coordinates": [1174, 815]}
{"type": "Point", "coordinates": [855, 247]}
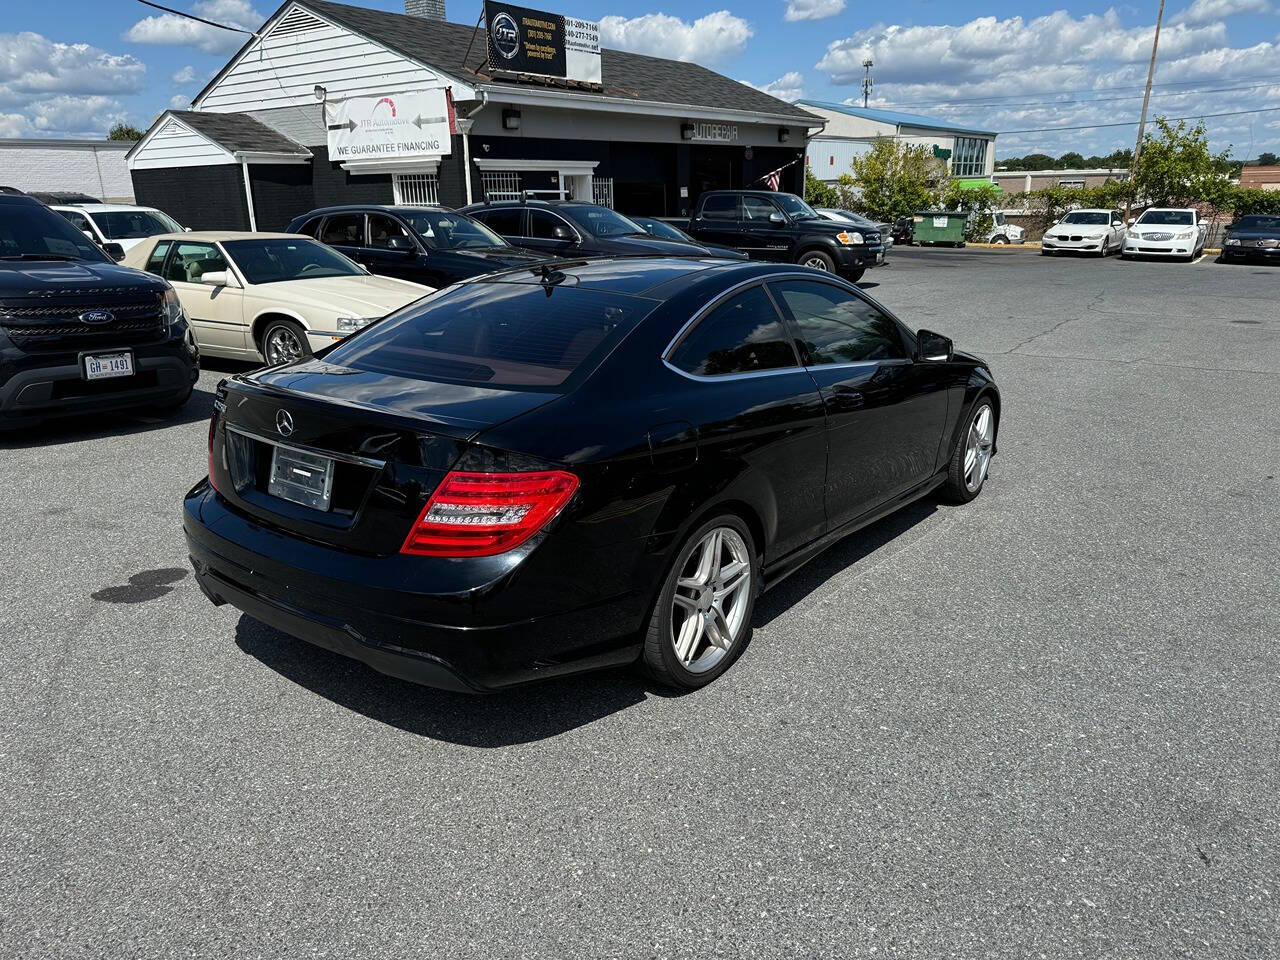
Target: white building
{"type": "Point", "coordinates": [850, 131]}
{"type": "Point", "coordinates": [95, 167]}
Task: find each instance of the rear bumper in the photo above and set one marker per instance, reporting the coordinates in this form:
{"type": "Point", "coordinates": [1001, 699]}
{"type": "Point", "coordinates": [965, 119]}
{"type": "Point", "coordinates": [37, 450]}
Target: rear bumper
{"type": "Point", "coordinates": [448, 641]}
{"type": "Point", "coordinates": [33, 388]}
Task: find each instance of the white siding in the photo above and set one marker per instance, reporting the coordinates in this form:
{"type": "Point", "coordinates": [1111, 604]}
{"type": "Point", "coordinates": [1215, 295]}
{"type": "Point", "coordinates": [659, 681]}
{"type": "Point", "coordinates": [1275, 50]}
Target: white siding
{"type": "Point", "coordinates": [97, 169]}
{"type": "Point", "coordinates": [829, 158]}
{"type": "Point", "coordinates": [302, 50]}
{"type": "Point", "coordinates": [177, 145]}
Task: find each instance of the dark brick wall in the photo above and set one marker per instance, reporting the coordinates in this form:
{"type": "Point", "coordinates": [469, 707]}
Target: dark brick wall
{"type": "Point", "coordinates": [333, 185]}
{"type": "Point", "coordinates": [202, 198]}
{"type": "Point", "coordinates": [280, 193]}
{"type": "Point", "coordinates": [453, 188]}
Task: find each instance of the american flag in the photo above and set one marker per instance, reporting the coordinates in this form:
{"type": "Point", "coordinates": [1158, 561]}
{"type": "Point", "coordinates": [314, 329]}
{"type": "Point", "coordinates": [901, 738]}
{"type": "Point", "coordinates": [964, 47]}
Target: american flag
{"type": "Point", "coordinates": [774, 180]}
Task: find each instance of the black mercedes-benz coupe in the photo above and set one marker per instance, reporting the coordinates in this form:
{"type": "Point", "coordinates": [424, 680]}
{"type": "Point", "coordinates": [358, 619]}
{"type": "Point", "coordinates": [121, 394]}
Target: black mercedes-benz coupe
{"type": "Point", "coordinates": [582, 465]}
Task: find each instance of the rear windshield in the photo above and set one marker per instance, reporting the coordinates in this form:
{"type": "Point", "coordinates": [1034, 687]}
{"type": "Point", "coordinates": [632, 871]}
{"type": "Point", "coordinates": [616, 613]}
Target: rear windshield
{"type": "Point", "coordinates": [510, 336]}
{"type": "Point", "coordinates": [133, 224]}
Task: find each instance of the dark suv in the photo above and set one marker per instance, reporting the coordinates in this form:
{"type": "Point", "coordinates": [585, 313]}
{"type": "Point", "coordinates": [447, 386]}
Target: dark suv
{"type": "Point", "coordinates": [570, 228]}
{"type": "Point", "coordinates": [78, 333]}
{"type": "Point", "coordinates": [429, 245]}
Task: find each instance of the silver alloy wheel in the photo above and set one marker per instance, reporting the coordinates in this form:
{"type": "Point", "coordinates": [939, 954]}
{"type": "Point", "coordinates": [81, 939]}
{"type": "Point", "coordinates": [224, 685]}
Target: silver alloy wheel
{"type": "Point", "coordinates": [709, 604]}
{"type": "Point", "coordinates": [978, 445]}
{"type": "Point", "coordinates": [817, 263]}
{"type": "Point", "coordinates": [282, 345]}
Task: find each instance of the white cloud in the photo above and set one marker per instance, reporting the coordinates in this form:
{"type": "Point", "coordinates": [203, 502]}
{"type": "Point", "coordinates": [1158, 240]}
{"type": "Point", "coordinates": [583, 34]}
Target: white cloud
{"type": "Point", "coordinates": [788, 87]}
{"type": "Point", "coordinates": [714, 38]}
{"type": "Point", "coordinates": [179, 101]}
{"type": "Point", "coordinates": [813, 9]}
{"type": "Point", "coordinates": [1208, 11]}
{"type": "Point", "coordinates": [167, 28]}
{"type": "Point", "coordinates": [51, 89]}
{"type": "Point", "coordinates": [32, 66]}
{"type": "Point", "coordinates": [185, 75]}
{"type": "Point", "coordinates": [1031, 68]}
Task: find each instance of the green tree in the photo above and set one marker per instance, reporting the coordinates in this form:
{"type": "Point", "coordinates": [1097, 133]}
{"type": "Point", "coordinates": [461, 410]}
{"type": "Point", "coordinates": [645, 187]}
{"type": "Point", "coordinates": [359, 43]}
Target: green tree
{"type": "Point", "coordinates": [1176, 167]}
{"type": "Point", "coordinates": [817, 193]}
{"type": "Point", "coordinates": [1268, 159]}
{"type": "Point", "coordinates": [1070, 161]}
{"type": "Point", "coordinates": [123, 131]}
{"type": "Point", "coordinates": [895, 179]}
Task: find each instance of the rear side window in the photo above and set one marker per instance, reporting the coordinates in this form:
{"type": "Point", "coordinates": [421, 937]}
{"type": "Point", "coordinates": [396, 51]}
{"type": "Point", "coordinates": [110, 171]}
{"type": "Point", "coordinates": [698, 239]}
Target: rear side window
{"type": "Point", "coordinates": [344, 230]}
{"type": "Point", "coordinates": [741, 335]}
{"type": "Point", "coordinates": [504, 221]}
{"type": "Point", "coordinates": [834, 326]}
{"type": "Point", "coordinates": [511, 336]}
{"type": "Point", "coordinates": [721, 206]}
{"type": "Point", "coordinates": [156, 260]}
{"type": "Point", "coordinates": [311, 227]}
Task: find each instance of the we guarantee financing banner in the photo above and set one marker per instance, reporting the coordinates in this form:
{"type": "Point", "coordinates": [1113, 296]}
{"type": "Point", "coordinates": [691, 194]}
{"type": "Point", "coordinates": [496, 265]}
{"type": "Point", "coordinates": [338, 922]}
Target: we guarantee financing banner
{"type": "Point", "coordinates": [389, 127]}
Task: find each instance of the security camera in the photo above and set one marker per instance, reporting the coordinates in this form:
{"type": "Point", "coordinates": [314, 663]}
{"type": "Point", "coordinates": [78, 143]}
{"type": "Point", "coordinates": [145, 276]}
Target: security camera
{"type": "Point", "coordinates": [320, 92]}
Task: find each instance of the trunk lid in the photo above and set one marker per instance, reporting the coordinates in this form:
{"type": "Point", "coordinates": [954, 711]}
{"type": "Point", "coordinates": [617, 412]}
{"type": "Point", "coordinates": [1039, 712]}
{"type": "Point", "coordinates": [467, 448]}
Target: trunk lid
{"type": "Point", "coordinates": [379, 443]}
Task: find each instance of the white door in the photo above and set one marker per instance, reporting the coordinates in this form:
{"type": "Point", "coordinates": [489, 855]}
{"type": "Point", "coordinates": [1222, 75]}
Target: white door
{"type": "Point", "coordinates": [216, 312]}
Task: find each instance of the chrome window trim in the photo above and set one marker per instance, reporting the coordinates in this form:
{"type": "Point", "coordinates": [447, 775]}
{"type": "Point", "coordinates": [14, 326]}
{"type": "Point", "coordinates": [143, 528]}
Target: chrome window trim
{"type": "Point", "coordinates": [711, 305]}
{"type": "Point", "coordinates": [313, 451]}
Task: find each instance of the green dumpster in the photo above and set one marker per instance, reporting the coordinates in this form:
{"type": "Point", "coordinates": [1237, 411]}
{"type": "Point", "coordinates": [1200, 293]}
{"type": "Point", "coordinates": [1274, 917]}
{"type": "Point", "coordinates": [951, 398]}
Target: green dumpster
{"type": "Point", "coordinates": [940, 227]}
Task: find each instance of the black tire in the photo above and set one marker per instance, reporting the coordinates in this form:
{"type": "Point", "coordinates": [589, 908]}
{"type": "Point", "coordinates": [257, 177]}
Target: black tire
{"type": "Point", "coordinates": [283, 327]}
{"type": "Point", "coordinates": [659, 658]}
{"type": "Point", "coordinates": [817, 260]}
{"type": "Point", "coordinates": [170, 407]}
{"type": "Point", "coordinates": [956, 488]}
{"type": "Point", "coordinates": [1045, 253]}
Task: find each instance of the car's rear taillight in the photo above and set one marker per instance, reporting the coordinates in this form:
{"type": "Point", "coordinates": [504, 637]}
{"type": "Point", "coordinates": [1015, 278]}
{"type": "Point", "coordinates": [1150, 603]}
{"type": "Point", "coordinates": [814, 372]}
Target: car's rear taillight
{"type": "Point", "coordinates": [481, 514]}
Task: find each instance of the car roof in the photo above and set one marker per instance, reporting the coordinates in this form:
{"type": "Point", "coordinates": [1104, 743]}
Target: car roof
{"type": "Point", "coordinates": [217, 236]}
{"type": "Point", "coordinates": [20, 199]}
{"type": "Point", "coordinates": [401, 208]}
{"type": "Point", "coordinates": [656, 277]}
{"type": "Point", "coordinates": [102, 207]}
{"type": "Point", "coordinates": [1091, 210]}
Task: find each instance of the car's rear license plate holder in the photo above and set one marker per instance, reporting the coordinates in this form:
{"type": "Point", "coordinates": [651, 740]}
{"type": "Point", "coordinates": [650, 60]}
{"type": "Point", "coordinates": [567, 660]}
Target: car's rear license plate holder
{"type": "Point", "coordinates": [107, 364]}
{"type": "Point", "coordinates": [299, 477]}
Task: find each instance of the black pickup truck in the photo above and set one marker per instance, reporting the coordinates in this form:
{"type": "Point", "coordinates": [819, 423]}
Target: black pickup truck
{"type": "Point", "coordinates": [781, 227]}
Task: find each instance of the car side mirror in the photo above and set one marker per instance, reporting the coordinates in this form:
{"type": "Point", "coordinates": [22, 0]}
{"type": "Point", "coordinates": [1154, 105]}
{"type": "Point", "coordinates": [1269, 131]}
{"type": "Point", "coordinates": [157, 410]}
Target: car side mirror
{"type": "Point", "coordinates": [186, 229]}
{"type": "Point", "coordinates": [399, 243]}
{"type": "Point", "coordinates": [113, 250]}
{"type": "Point", "coordinates": [1132, 221]}
{"type": "Point", "coordinates": [216, 278]}
{"type": "Point", "coordinates": [776, 218]}
{"type": "Point", "coordinates": [562, 233]}
{"type": "Point", "coordinates": [89, 234]}
{"type": "Point", "coordinates": [934, 347]}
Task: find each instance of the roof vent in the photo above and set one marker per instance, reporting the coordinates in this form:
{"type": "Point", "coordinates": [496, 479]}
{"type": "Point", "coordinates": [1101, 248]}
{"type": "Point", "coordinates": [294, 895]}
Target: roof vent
{"type": "Point", "coordinates": [427, 9]}
{"type": "Point", "coordinates": [297, 20]}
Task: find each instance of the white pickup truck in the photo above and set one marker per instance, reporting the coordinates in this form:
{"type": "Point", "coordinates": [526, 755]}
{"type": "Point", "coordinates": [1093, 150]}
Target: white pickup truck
{"type": "Point", "coordinates": [1004, 232]}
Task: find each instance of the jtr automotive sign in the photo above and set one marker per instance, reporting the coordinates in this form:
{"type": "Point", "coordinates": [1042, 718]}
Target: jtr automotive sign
{"type": "Point", "coordinates": [389, 127]}
{"type": "Point", "coordinates": [542, 44]}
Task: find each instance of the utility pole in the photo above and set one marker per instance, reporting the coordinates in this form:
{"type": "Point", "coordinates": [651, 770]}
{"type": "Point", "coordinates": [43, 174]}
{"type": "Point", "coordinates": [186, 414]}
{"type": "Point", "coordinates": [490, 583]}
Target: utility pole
{"type": "Point", "coordinates": [1142, 120]}
{"type": "Point", "coordinates": [867, 83]}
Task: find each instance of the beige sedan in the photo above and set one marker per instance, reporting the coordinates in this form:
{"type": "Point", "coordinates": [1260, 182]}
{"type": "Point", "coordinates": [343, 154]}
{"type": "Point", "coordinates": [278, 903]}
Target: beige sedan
{"type": "Point", "coordinates": [268, 296]}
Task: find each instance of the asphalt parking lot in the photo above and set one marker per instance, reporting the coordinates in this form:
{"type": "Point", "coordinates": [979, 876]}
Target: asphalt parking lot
{"type": "Point", "coordinates": [1046, 724]}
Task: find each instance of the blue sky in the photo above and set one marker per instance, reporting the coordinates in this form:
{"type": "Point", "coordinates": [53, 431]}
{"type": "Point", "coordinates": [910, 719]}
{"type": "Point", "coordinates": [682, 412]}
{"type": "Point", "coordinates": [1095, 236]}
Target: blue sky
{"type": "Point", "coordinates": [72, 67]}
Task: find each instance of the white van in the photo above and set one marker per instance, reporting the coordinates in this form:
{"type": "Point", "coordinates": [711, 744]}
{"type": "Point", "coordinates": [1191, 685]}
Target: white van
{"type": "Point", "coordinates": [118, 223]}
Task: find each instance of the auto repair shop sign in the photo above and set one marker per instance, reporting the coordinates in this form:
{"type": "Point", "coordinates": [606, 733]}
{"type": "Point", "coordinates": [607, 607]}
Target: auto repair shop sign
{"type": "Point", "coordinates": [389, 127]}
{"type": "Point", "coordinates": [546, 44]}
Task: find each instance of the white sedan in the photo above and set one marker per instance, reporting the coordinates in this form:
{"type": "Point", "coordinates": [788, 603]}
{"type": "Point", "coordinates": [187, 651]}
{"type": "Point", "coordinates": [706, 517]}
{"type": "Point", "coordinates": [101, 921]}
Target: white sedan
{"type": "Point", "coordinates": [268, 296]}
{"type": "Point", "coordinates": [1087, 231]}
{"type": "Point", "coordinates": [1166, 232]}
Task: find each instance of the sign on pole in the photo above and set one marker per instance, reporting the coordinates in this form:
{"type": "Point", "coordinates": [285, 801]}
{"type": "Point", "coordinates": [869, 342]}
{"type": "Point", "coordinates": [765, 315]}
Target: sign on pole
{"type": "Point", "coordinates": [391, 127]}
{"type": "Point", "coordinates": [542, 44]}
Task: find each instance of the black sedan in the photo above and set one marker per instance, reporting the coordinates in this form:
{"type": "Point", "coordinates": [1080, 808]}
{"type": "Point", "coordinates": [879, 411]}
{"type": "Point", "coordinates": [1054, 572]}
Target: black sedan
{"type": "Point", "coordinates": [570, 228]}
{"type": "Point", "coordinates": [579, 466]}
{"type": "Point", "coordinates": [666, 231]}
{"type": "Point", "coordinates": [1253, 237]}
{"type": "Point", "coordinates": [427, 245]}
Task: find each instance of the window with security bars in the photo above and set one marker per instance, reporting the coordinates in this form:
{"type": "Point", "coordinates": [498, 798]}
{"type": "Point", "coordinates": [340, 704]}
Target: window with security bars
{"type": "Point", "coordinates": [969, 157]}
{"type": "Point", "coordinates": [602, 191]}
{"type": "Point", "coordinates": [416, 189]}
{"type": "Point", "coordinates": [500, 185]}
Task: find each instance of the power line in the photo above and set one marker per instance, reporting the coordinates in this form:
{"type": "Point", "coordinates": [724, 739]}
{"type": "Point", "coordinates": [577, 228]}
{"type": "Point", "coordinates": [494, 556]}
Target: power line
{"type": "Point", "coordinates": [192, 16]}
{"type": "Point", "coordinates": [992, 99]}
{"type": "Point", "coordinates": [1134, 123]}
